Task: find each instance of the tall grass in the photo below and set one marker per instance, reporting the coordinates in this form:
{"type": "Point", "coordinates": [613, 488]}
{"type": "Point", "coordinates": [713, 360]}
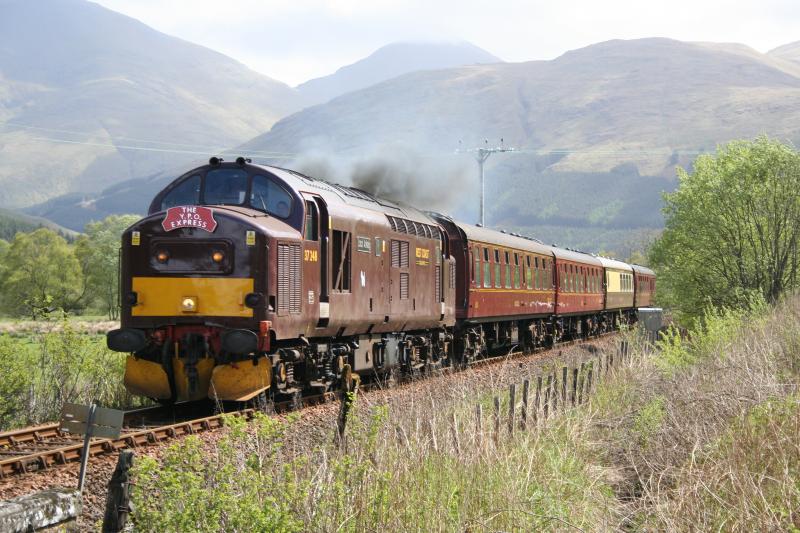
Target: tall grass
{"type": "Point", "coordinates": [702, 434]}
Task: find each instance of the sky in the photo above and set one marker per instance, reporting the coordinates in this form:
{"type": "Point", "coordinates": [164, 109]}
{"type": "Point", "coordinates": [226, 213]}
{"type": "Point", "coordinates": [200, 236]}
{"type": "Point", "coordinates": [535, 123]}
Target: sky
{"type": "Point", "coordinates": [296, 40]}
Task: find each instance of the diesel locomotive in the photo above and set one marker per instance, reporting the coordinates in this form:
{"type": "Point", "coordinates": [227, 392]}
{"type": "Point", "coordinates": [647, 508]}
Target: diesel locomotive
{"type": "Point", "coordinates": [247, 280]}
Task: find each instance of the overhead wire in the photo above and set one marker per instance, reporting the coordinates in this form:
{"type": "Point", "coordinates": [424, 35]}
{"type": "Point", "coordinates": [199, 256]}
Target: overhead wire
{"type": "Point", "coordinates": [195, 149]}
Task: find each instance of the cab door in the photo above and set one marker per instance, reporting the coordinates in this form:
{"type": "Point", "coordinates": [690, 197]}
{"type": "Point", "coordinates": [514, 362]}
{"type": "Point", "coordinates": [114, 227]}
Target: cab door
{"type": "Point", "coordinates": [315, 287]}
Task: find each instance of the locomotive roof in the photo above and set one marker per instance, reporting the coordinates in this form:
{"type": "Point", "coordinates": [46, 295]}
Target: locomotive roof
{"type": "Point", "coordinates": [617, 265]}
{"type": "Point", "coordinates": [342, 194]}
{"type": "Point", "coordinates": [481, 234]}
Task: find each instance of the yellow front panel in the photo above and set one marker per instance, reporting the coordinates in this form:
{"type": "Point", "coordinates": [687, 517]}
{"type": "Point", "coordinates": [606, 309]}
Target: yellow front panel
{"type": "Point", "coordinates": [213, 296]}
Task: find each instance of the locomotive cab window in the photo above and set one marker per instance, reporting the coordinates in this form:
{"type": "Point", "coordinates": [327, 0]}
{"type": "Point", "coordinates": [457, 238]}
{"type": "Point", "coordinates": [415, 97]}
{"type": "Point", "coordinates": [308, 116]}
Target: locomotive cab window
{"type": "Point", "coordinates": [185, 193]}
{"type": "Point", "coordinates": [225, 186]}
{"type": "Point", "coordinates": [312, 218]}
{"type": "Point", "coordinates": [268, 196]}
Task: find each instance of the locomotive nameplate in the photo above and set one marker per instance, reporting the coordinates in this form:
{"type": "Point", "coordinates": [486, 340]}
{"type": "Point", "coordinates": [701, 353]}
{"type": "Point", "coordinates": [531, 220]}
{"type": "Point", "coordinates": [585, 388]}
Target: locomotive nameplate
{"type": "Point", "coordinates": [189, 216]}
{"type": "Point", "coordinates": [364, 244]}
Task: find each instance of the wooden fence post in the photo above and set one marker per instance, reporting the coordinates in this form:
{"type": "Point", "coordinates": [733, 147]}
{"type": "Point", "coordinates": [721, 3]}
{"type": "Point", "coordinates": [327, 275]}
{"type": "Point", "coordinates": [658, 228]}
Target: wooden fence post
{"type": "Point", "coordinates": [537, 399]}
{"type": "Point", "coordinates": [554, 392]}
{"type": "Point", "coordinates": [581, 382]}
{"type": "Point", "coordinates": [118, 500]}
{"type": "Point", "coordinates": [564, 379]}
{"type": "Point", "coordinates": [512, 407]}
{"type": "Point", "coordinates": [546, 403]}
{"type": "Point", "coordinates": [526, 385]}
{"type": "Point", "coordinates": [574, 389]}
{"type": "Point", "coordinates": [348, 396]}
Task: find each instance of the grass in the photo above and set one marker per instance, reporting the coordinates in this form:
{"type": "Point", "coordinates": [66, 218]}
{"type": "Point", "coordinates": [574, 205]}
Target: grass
{"type": "Point", "coordinates": [700, 435]}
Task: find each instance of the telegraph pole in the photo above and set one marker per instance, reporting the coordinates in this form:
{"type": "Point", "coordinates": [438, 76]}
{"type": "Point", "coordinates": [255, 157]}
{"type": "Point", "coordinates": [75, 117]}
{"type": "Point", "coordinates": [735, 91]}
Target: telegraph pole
{"type": "Point", "coordinates": [481, 155]}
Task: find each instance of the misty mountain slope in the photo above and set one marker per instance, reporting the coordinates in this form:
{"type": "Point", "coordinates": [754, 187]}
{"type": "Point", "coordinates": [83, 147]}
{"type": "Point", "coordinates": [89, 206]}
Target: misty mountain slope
{"type": "Point", "coordinates": [599, 130]}
{"type": "Point", "coordinates": [606, 104]}
{"type": "Point", "coordinates": [89, 97]}
{"type": "Point", "coordinates": [788, 52]}
{"type": "Point", "coordinates": [391, 61]}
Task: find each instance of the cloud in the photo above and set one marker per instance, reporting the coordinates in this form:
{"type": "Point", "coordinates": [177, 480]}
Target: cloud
{"type": "Point", "coordinates": [295, 40]}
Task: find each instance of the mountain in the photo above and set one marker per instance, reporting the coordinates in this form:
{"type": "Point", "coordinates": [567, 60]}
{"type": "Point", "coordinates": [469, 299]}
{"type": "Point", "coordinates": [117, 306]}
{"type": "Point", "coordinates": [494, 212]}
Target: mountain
{"type": "Point", "coordinates": [12, 222]}
{"type": "Point", "coordinates": [789, 52]}
{"type": "Point", "coordinates": [90, 97]}
{"type": "Point", "coordinates": [391, 61]}
{"type": "Point", "coordinates": [598, 131]}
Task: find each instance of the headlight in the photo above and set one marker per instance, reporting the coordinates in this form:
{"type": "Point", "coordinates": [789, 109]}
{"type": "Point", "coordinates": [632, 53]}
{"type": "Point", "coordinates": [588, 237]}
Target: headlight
{"type": "Point", "coordinates": [162, 256]}
{"type": "Point", "coordinates": [218, 257]}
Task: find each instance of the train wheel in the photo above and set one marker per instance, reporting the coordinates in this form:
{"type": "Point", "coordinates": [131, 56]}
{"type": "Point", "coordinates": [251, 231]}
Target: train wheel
{"type": "Point", "coordinates": [262, 402]}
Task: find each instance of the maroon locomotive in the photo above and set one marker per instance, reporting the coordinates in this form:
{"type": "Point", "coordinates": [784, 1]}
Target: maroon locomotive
{"type": "Point", "coordinates": [247, 279]}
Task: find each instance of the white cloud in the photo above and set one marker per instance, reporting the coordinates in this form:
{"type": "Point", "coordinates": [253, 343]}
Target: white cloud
{"type": "Point", "coordinates": [296, 40]}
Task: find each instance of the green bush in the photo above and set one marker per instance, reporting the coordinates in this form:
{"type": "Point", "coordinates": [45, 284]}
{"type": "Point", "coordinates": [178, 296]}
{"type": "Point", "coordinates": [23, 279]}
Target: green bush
{"type": "Point", "coordinates": [40, 372]}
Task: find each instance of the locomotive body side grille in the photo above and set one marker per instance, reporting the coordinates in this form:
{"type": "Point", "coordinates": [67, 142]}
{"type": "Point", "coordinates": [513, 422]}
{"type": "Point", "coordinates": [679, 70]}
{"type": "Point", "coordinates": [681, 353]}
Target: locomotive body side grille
{"type": "Point", "coordinates": [289, 281]}
{"type": "Point", "coordinates": [404, 285]}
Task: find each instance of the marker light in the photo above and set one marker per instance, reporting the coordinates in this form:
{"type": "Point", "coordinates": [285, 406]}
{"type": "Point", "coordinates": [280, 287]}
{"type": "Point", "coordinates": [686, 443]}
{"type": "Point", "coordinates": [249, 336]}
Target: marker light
{"type": "Point", "coordinates": [218, 257]}
{"type": "Point", "coordinates": [162, 256]}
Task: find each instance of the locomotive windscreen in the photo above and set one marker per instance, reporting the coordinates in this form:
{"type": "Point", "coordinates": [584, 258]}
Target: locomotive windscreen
{"type": "Point", "coordinates": [231, 186]}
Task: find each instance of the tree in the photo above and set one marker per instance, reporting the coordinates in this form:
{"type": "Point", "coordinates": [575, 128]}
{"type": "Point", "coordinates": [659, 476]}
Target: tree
{"type": "Point", "coordinates": [732, 228]}
{"type": "Point", "coordinates": [98, 253]}
{"type": "Point", "coordinates": [39, 271]}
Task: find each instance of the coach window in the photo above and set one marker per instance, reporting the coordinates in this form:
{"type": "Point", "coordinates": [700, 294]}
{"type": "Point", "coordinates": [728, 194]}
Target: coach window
{"type": "Point", "coordinates": [497, 269]}
{"type": "Point", "coordinates": [477, 266]}
{"type": "Point", "coordinates": [472, 266]}
{"type": "Point", "coordinates": [528, 273]}
{"type": "Point", "coordinates": [487, 269]}
{"type": "Point", "coordinates": [186, 192]}
{"type": "Point", "coordinates": [516, 272]}
{"type": "Point", "coordinates": [508, 271]}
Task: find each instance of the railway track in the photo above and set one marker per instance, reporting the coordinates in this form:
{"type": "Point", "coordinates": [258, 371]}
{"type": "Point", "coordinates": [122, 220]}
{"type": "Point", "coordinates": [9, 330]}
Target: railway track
{"type": "Point", "coordinates": [40, 448]}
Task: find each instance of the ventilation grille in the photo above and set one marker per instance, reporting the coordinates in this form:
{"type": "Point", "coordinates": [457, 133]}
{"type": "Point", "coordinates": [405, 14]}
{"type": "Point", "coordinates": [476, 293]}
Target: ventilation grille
{"type": "Point", "coordinates": [400, 254]}
{"type": "Point", "coordinates": [452, 275]}
{"type": "Point", "coordinates": [404, 285]}
{"type": "Point", "coordinates": [402, 225]}
{"type": "Point", "coordinates": [289, 282]}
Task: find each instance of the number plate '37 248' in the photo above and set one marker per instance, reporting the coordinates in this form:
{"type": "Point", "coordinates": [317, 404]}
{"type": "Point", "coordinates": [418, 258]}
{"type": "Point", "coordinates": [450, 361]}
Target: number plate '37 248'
{"type": "Point", "coordinates": [310, 255]}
